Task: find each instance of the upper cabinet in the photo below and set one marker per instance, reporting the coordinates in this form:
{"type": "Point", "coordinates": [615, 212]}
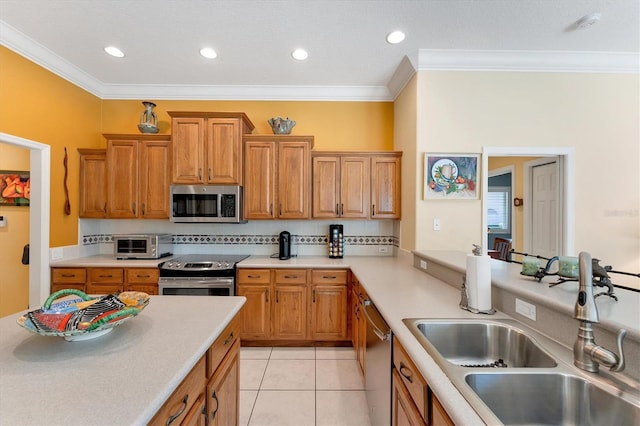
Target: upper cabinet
{"type": "Point", "coordinates": [207, 146]}
{"type": "Point", "coordinates": [356, 185]}
{"type": "Point", "coordinates": [130, 179]}
{"type": "Point", "coordinates": [277, 178]}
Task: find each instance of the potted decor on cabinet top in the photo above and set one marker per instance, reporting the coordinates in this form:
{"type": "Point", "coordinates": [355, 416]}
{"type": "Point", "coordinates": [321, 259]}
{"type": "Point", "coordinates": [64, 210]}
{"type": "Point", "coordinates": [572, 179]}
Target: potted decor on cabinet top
{"type": "Point", "coordinates": [281, 126]}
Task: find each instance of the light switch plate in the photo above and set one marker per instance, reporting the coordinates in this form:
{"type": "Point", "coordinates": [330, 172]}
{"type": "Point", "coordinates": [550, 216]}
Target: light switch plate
{"type": "Point", "coordinates": [423, 264]}
{"type": "Point", "coordinates": [526, 309]}
{"type": "Point", "coordinates": [56, 253]}
{"type": "Point", "coordinates": [436, 224]}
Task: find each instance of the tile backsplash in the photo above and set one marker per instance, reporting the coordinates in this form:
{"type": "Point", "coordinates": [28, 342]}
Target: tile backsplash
{"type": "Point", "coordinates": [362, 238]}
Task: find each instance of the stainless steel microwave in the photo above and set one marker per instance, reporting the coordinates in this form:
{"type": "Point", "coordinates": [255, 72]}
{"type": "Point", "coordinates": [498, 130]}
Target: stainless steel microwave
{"type": "Point", "coordinates": [207, 203]}
{"type": "Point", "coordinates": [142, 246]}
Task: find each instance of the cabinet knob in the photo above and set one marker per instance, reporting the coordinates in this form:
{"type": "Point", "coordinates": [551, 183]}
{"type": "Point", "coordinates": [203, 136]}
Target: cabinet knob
{"type": "Point", "coordinates": [210, 178]}
{"type": "Point", "coordinates": [373, 210]}
{"type": "Point", "coordinates": [200, 173]}
{"type": "Point", "coordinates": [342, 209]}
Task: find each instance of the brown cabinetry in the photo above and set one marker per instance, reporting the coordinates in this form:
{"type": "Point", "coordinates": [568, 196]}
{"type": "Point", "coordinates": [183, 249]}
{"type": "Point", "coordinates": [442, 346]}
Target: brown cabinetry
{"type": "Point", "coordinates": [207, 146]}
{"type": "Point", "coordinates": [277, 178]}
{"type": "Point", "coordinates": [62, 278]}
{"type": "Point", "coordinates": [93, 183]}
{"type": "Point", "coordinates": [359, 323]}
{"type": "Point", "coordinates": [105, 280]}
{"type": "Point", "coordinates": [142, 279]}
{"type": "Point", "coordinates": [412, 402]}
{"type": "Point", "coordinates": [356, 185]}
{"type": "Point", "coordinates": [294, 304]}
{"type": "Point", "coordinates": [209, 395]}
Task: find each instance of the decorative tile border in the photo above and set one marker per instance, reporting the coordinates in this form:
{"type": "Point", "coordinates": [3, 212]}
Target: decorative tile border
{"type": "Point", "coordinates": [308, 240]}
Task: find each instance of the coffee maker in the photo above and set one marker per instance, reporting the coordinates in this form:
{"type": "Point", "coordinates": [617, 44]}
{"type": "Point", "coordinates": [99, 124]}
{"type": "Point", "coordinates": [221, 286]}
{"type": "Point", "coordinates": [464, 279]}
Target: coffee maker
{"type": "Point", "coordinates": [336, 241]}
{"type": "Point", "coordinates": [284, 242]}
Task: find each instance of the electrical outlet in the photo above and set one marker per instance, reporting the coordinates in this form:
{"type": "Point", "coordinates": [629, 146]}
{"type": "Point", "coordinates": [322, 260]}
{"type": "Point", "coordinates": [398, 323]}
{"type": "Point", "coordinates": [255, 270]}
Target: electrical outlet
{"type": "Point", "coordinates": [383, 249]}
{"type": "Point", "coordinates": [526, 309]}
{"type": "Point", "coordinates": [436, 224]}
{"type": "Point", "coordinates": [56, 253]}
{"type": "Point", "coordinates": [423, 264]}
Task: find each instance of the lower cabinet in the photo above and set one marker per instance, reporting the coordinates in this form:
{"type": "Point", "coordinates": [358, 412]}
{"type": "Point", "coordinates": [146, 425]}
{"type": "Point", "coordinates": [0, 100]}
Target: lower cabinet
{"type": "Point", "coordinates": [294, 304]}
{"type": "Point", "coordinates": [412, 402]}
{"type": "Point", "coordinates": [209, 395]}
{"type": "Point", "coordinates": [105, 280]}
{"type": "Point", "coordinates": [358, 323]}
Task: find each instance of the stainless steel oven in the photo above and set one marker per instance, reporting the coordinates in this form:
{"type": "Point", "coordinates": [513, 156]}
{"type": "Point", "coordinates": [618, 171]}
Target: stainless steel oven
{"type": "Point", "coordinates": [199, 275]}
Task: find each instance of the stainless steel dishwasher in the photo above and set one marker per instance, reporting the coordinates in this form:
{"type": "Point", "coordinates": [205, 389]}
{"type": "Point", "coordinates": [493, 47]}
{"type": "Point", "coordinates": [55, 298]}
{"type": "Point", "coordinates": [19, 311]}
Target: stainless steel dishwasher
{"type": "Point", "coordinates": [378, 366]}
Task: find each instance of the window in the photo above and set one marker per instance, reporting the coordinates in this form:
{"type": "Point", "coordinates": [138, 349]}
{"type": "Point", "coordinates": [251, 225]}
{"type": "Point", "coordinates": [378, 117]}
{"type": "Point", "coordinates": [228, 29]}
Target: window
{"type": "Point", "coordinates": [499, 209]}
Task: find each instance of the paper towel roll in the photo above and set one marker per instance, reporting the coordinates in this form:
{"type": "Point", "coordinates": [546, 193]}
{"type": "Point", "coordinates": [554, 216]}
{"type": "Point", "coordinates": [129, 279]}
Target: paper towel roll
{"type": "Point", "coordinates": [478, 282]}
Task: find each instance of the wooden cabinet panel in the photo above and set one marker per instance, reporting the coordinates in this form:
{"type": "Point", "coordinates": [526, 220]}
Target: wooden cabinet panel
{"type": "Point", "coordinates": [329, 276]}
{"type": "Point", "coordinates": [277, 182]}
{"type": "Point", "coordinates": [385, 187]}
{"type": "Point", "coordinates": [326, 187]}
{"type": "Point", "coordinates": [259, 179]}
{"type": "Point", "coordinates": [256, 312]}
{"type": "Point", "coordinates": [187, 134]}
{"type": "Point", "coordinates": [290, 312]}
{"type": "Point", "coordinates": [182, 399]}
{"type": "Point", "coordinates": [93, 183]}
{"type": "Point", "coordinates": [439, 416]}
{"type": "Point", "coordinates": [197, 415]}
{"type": "Point", "coordinates": [294, 169]}
{"type": "Point", "coordinates": [155, 179]}
{"type": "Point", "coordinates": [411, 377]}
{"type": "Point", "coordinates": [254, 276]}
{"type": "Point", "coordinates": [329, 312]}
{"type": "Point", "coordinates": [223, 344]}
{"type": "Point", "coordinates": [354, 187]}
{"type": "Point", "coordinates": [122, 178]}
{"type": "Point", "coordinates": [142, 275]}
{"type": "Point", "coordinates": [291, 276]}
{"type": "Point", "coordinates": [223, 151]}
{"type": "Point", "coordinates": [105, 280]}
{"type": "Point", "coordinates": [403, 410]}
{"type": "Point", "coordinates": [68, 275]}
{"type": "Point", "coordinates": [223, 390]}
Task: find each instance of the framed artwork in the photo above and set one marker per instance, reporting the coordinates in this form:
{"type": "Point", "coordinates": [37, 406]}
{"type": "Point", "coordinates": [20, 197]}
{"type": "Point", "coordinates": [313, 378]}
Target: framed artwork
{"type": "Point", "coordinates": [15, 188]}
{"type": "Point", "coordinates": [451, 176]}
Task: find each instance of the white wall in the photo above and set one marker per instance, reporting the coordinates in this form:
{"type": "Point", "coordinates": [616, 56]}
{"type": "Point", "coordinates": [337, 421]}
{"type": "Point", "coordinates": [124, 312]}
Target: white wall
{"type": "Point", "coordinates": [597, 114]}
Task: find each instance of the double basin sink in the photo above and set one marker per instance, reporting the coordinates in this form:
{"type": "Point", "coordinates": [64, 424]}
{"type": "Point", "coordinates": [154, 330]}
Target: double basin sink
{"type": "Point", "coordinates": [513, 375]}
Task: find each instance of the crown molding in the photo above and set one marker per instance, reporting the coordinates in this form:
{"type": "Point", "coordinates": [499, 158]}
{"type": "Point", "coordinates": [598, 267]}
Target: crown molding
{"type": "Point", "coordinates": [529, 61]}
{"type": "Point", "coordinates": [405, 71]}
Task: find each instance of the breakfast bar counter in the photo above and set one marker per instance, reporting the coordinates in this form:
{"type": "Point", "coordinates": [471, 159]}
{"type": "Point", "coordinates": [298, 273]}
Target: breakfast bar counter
{"type": "Point", "coordinates": [122, 377]}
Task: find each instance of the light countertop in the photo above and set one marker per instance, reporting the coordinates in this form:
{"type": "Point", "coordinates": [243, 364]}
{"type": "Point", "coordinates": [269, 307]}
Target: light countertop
{"type": "Point", "coordinates": [107, 261]}
{"type": "Point", "coordinates": [122, 377]}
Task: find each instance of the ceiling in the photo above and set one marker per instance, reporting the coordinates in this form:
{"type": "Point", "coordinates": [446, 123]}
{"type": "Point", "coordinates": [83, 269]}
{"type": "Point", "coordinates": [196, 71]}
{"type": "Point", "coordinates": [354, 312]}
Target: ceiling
{"type": "Point", "coordinates": [349, 58]}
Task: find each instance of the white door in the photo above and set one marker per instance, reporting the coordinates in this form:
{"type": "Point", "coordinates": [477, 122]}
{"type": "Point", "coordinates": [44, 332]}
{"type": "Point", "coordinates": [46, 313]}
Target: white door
{"type": "Point", "coordinates": [545, 212]}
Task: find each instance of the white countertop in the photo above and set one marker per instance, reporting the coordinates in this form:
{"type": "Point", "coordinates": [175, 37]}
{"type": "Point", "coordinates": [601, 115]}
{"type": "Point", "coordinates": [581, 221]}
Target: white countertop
{"type": "Point", "coordinates": [107, 261]}
{"type": "Point", "coordinates": [122, 377]}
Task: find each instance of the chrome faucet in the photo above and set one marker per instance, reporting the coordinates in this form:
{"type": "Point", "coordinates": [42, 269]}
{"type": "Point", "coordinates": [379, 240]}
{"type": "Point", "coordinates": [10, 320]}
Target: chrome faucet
{"type": "Point", "coordinates": [586, 354]}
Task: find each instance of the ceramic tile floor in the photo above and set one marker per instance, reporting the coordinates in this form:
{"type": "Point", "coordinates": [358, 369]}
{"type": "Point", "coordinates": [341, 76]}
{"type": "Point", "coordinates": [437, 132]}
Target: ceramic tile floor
{"type": "Point", "coordinates": [301, 386]}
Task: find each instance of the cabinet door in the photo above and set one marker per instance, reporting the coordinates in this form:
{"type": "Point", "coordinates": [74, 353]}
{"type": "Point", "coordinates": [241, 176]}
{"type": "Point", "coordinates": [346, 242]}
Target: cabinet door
{"type": "Point", "coordinates": [329, 312]}
{"type": "Point", "coordinates": [385, 187]}
{"type": "Point", "coordinates": [256, 312]}
{"type": "Point", "coordinates": [187, 146]}
{"type": "Point", "coordinates": [223, 391]}
{"type": "Point", "coordinates": [259, 180]}
{"type": "Point", "coordinates": [294, 169]}
{"type": "Point", "coordinates": [93, 183]}
{"type": "Point", "coordinates": [155, 179]}
{"type": "Point", "coordinates": [222, 151]}
{"type": "Point", "coordinates": [403, 411]}
{"type": "Point", "coordinates": [290, 312]}
{"type": "Point", "coordinates": [122, 178]}
{"type": "Point", "coordinates": [354, 187]}
{"type": "Point", "coordinates": [197, 415]}
{"type": "Point", "coordinates": [326, 188]}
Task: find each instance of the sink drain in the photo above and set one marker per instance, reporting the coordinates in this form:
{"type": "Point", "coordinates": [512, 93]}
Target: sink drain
{"type": "Point", "coordinates": [496, 364]}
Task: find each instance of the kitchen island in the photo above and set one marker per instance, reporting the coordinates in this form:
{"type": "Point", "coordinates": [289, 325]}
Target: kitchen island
{"type": "Point", "coordinates": [122, 377]}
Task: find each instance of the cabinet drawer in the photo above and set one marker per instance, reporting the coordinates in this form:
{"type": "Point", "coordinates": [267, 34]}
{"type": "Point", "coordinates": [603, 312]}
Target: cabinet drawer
{"type": "Point", "coordinates": [142, 275]}
{"type": "Point", "coordinates": [68, 275]}
{"type": "Point", "coordinates": [150, 289]}
{"type": "Point", "coordinates": [411, 377]}
{"type": "Point", "coordinates": [291, 276]}
{"type": "Point", "coordinates": [254, 276]}
{"type": "Point", "coordinates": [183, 398]}
{"type": "Point", "coordinates": [106, 275]}
{"type": "Point", "coordinates": [329, 276]}
{"type": "Point", "coordinates": [221, 346]}
{"type": "Point", "coordinates": [104, 288]}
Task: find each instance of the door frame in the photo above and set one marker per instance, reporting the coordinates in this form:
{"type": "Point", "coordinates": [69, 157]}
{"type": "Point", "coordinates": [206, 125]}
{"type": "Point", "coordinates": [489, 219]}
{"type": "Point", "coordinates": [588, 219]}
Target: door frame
{"type": "Point", "coordinates": [503, 171]}
{"type": "Point", "coordinates": [39, 203]}
{"type": "Point", "coordinates": [567, 156]}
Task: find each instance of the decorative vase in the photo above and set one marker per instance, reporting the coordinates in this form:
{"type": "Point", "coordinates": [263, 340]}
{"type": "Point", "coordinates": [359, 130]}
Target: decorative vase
{"type": "Point", "coordinates": [281, 126]}
{"type": "Point", "coordinates": [149, 119]}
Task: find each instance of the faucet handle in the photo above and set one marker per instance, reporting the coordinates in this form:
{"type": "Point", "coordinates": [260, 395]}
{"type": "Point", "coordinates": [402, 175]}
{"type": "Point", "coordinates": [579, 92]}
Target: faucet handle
{"type": "Point", "coordinates": [619, 366]}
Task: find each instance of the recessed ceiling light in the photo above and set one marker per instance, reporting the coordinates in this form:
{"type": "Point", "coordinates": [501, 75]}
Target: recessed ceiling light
{"type": "Point", "coordinates": [114, 51]}
{"type": "Point", "coordinates": [300, 54]}
{"type": "Point", "coordinates": [587, 21]}
{"type": "Point", "coordinates": [208, 53]}
{"type": "Point", "coordinates": [395, 37]}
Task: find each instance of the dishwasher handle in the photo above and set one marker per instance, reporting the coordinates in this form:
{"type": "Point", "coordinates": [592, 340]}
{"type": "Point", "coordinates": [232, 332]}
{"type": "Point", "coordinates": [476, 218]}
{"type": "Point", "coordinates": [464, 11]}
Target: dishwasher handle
{"type": "Point", "coordinates": [382, 335]}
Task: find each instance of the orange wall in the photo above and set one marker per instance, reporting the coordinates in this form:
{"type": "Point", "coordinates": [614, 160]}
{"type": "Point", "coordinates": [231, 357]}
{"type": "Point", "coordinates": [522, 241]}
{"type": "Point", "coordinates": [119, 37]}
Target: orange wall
{"type": "Point", "coordinates": [345, 126]}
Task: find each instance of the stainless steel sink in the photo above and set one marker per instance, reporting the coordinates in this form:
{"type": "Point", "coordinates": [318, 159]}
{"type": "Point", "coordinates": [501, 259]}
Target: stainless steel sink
{"type": "Point", "coordinates": [471, 343]}
{"type": "Point", "coordinates": [550, 399]}
{"type": "Point", "coordinates": [540, 384]}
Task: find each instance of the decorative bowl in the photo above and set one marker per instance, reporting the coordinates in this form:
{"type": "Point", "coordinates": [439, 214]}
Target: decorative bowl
{"type": "Point", "coordinates": [281, 126]}
{"type": "Point", "coordinates": [78, 316]}
{"type": "Point", "coordinates": [148, 128]}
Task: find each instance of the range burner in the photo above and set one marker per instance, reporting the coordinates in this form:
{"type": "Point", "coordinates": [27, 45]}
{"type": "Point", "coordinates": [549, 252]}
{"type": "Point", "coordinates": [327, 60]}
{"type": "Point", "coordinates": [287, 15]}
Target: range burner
{"type": "Point", "coordinates": [206, 265]}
